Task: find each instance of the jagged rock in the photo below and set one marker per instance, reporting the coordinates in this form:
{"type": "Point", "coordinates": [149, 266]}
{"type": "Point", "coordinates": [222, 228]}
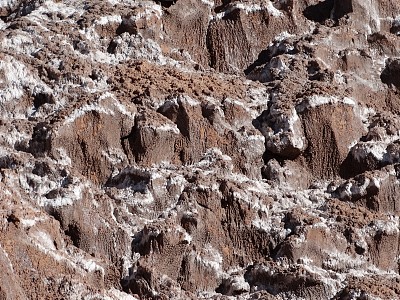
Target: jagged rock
{"type": "Point", "coordinates": [233, 286]}
{"type": "Point", "coordinates": [292, 282]}
{"type": "Point", "coordinates": [389, 74]}
{"type": "Point", "coordinates": [374, 190]}
{"type": "Point", "coordinates": [199, 149]}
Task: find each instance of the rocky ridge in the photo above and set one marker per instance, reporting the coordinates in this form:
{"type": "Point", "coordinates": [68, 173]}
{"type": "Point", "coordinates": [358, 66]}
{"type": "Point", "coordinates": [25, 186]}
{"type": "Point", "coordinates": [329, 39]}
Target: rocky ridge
{"type": "Point", "coordinates": [199, 149]}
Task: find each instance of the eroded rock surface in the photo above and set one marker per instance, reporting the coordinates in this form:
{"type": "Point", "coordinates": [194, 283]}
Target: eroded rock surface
{"type": "Point", "coordinates": [199, 149]}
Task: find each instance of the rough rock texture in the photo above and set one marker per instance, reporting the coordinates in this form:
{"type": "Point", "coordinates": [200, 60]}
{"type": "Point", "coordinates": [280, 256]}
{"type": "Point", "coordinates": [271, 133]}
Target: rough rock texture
{"type": "Point", "coordinates": [200, 149]}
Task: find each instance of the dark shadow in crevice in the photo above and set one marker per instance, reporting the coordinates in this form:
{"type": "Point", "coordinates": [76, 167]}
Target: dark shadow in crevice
{"type": "Point", "coordinates": [23, 9]}
{"type": "Point", "coordinates": [272, 51]}
{"type": "Point", "coordinates": [166, 3]}
{"type": "Point", "coordinates": [41, 99]}
{"type": "Point", "coordinates": [391, 73]}
{"type": "Point", "coordinates": [328, 10]}
{"type": "Point", "coordinates": [267, 155]}
{"type": "Point", "coordinates": [320, 12]}
{"type": "Point", "coordinates": [111, 47]}
{"type": "Point", "coordinates": [74, 233]}
{"type": "Point", "coordinates": [127, 25]}
{"type": "Point", "coordinates": [222, 7]}
{"type": "Point", "coordinates": [139, 282]}
{"type": "Point", "coordinates": [342, 8]}
{"type": "Point", "coordinates": [232, 15]}
{"type": "Point", "coordinates": [263, 58]}
{"type": "Point", "coordinates": [350, 167]}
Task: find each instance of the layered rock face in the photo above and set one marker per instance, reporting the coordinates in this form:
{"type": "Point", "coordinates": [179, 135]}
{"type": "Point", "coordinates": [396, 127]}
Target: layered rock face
{"type": "Point", "coordinates": [200, 149]}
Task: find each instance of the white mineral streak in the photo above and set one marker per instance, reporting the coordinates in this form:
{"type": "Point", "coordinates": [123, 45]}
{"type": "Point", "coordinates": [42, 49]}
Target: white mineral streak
{"type": "Point", "coordinates": [104, 20]}
{"type": "Point", "coordinates": [250, 8]}
{"type": "Point", "coordinates": [210, 257]}
{"type": "Point", "coordinates": [16, 78]}
{"type": "Point", "coordinates": [8, 3]}
{"type": "Point", "coordinates": [315, 101]}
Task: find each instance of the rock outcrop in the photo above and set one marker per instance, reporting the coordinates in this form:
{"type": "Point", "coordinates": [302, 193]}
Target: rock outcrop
{"type": "Point", "coordinates": [200, 149]}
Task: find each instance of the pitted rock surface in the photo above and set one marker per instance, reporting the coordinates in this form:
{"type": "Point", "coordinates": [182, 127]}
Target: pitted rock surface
{"type": "Point", "coordinates": [200, 149]}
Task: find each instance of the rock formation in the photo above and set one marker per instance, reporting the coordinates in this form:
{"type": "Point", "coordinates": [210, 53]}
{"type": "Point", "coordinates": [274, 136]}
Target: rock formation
{"type": "Point", "coordinates": [200, 149]}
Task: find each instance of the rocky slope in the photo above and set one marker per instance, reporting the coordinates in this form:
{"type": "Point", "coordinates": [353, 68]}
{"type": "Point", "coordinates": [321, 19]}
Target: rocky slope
{"type": "Point", "coordinates": [200, 149]}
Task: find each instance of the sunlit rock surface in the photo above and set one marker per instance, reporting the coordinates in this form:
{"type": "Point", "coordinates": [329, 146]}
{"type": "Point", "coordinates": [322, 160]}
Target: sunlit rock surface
{"type": "Point", "coordinates": [199, 149]}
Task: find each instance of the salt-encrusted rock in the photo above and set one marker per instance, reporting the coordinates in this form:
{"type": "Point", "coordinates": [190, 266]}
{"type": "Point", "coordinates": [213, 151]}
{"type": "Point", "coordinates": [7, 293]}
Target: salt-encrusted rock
{"type": "Point", "coordinates": [375, 190]}
{"type": "Point", "coordinates": [87, 137]}
{"type": "Point", "coordinates": [283, 131]}
{"type": "Point", "coordinates": [234, 286]}
{"type": "Point", "coordinates": [199, 149]}
{"type": "Point", "coordinates": [291, 282]}
{"type": "Point", "coordinates": [152, 140]}
{"type": "Point", "coordinates": [326, 121]}
{"type": "Point", "coordinates": [290, 173]}
{"type": "Point", "coordinates": [378, 148]}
